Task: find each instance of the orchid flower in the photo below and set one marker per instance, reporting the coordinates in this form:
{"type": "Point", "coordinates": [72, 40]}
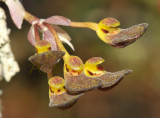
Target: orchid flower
{"type": "Point", "coordinates": [58, 95]}
{"type": "Point", "coordinates": [79, 77]}
{"type": "Point", "coordinates": [108, 31]}
{"type": "Point", "coordinates": [38, 25]}
{"type": "Point", "coordinates": [47, 60]}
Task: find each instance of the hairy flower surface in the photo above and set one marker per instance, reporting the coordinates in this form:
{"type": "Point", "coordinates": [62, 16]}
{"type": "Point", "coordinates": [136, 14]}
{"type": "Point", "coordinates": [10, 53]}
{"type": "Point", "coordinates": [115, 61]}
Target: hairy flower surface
{"type": "Point", "coordinates": [109, 32]}
{"type": "Point", "coordinates": [108, 79]}
{"type": "Point", "coordinates": [58, 95]}
{"type": "Point", "coordinates": [47, 37]}
{"type": "Point", "coordinates": [75, 78]}
{"type": "Point", "coordinates": [45, 61]}
{"type": "Point", "coordinates": [91, 76]}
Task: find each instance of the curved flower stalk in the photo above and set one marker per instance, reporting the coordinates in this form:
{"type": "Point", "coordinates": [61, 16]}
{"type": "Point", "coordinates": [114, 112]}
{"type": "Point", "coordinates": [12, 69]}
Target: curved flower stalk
{"type": "Point", "coordinates": [58, 95]}
{"type": "Point", "coordinates": [78, 77]}
{"type": "Point", "coordinates": [108, 31]}
{"type": "Point", "coordinates": [81, 77]}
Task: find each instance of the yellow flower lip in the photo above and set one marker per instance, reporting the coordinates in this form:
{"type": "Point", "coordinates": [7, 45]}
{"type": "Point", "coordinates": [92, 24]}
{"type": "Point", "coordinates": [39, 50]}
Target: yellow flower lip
{"type": "Point", "coordinates": [93, 67]}
{"type": "Point", "coordinates": [58, 95]}
{"type": "Point", "coordinates": [106, 23]}
{"type": "Point", "coordinates": [56, 82]}
{"type": "Point", "coordinates": [42, 46]}
{"type": "Point", "coordinates": [95, 61]}
{"type": "Point", "coordinates": [107, 27]}
{"type": "Point", "coordinates": [77, 83]}
{"type": "Point", "coordinates": [56, 86]}
{"type": "Point", "coordinates": [93, 76]}
{"type": "Point", "coordinates": [120, 38]}
{"type": "Point", "coordinates": [74, 64]}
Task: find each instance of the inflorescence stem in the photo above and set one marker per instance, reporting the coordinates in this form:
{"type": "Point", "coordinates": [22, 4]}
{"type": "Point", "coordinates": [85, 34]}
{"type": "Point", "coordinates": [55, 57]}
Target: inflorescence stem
{"type": "Point", "coordinates": [29, 17]}
{"type": "Point", "coordinates": [91, 25]}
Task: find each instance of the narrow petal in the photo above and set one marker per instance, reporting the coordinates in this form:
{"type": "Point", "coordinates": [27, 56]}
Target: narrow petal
{"type": "Point", "coordinates": [17, 11]}
{"type": "Point", "coordinates": [64, 40]}
{"type": "Point", "coordinates": [61, 32]}
{"type": "Point", "coordinates": [31, 36]}
{"type": "Point", "coordinates": [47, 35]}
{"type": "Point", "coordinates": [63, 36]}
{"type": "Point", "coordinates": [58, 20]}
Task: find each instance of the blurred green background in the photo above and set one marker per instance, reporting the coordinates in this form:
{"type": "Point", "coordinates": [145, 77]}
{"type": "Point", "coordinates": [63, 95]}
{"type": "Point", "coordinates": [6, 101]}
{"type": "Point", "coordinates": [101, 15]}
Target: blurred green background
{"type": "Point", "coordinates": [137, 96]}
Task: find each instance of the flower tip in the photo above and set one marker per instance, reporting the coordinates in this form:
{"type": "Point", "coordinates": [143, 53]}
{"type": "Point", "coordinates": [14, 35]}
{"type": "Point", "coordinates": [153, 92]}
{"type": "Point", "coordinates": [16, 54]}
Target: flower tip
{"type": "Point", "coordinates": [127, 36]}
{"type": "Point", "coordinates": [110, 80]}
{"type": "Point", "coordinates": [127, 72]}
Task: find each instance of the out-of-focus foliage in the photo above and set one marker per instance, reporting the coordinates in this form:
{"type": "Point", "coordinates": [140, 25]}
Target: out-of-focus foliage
{"type": "Point", "coordinates": [136, 97]}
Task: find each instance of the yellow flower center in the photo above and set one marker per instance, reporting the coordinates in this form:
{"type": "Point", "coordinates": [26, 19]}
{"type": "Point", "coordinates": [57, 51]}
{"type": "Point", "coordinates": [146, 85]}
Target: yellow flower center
{"type": "Point", "coordinates": [93, 67]}
{"type": "Point", "coordinates": [56, 86]}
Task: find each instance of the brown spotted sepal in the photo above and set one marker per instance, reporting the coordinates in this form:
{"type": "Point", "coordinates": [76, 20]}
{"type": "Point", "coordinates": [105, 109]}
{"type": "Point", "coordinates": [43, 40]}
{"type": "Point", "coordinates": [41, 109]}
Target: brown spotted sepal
{"type": "Point", "coordinates": [76, 80]}
{"type": "Point", "coordinates": [45, 61]}
{"type": "Point", "coordinates": [57, 94]}
{"type": "Point", "coordinates": [108, 79]}
{"type": "Point", "coordinates": [127, 36]}
{"type": "Point", "coordinates": [109, 32]}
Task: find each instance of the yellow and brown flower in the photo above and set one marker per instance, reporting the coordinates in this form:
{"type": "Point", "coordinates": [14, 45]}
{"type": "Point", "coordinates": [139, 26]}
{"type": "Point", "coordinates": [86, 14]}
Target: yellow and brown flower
{"type": "Point", "coordinates": [58, 95]}
{"type": "Point", "coordinates": [109, 32]}
{"type": "Point", "coordinates": [81, 77]}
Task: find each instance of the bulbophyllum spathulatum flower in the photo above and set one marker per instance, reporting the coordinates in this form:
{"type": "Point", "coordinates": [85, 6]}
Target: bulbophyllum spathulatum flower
{"type": "Point", "coordinates": [79, 77]}
{"type": "Point", "coordinates": [58, 95]}
{"type": "Point", "coordinates": [109, 32]}
{"type": "Point", "coordinates": [94, 69]}
{"type": "Point", "coordinates": [75, 78]}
